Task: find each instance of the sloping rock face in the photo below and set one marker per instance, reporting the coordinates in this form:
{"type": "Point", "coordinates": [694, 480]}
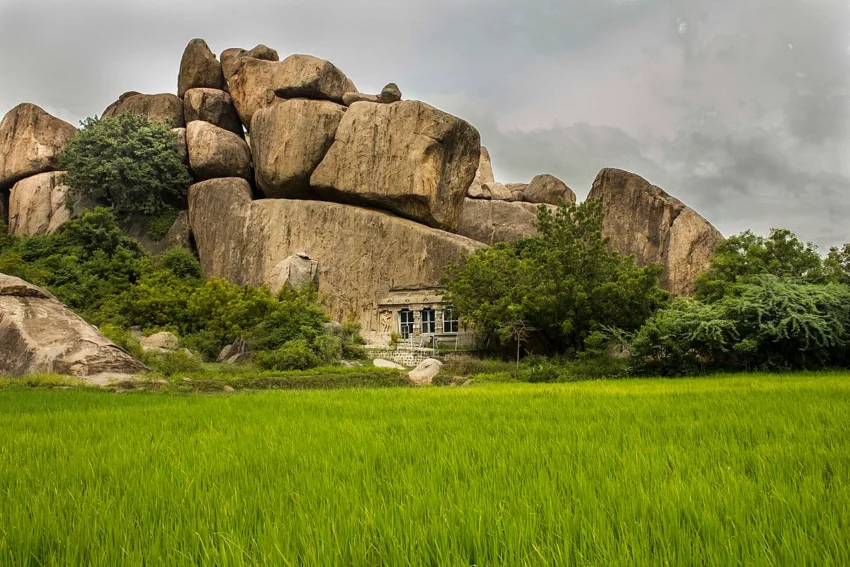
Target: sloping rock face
{"type": "Point", "coordinates": [213, 106]}
{"type": "Point", "coordinates": [30, 143]}
{"type": "Point", "coordinates": [37, 205]}
{"type": "Point", "coordinates": [39, 334]}
{"type": "Point", "coordinates": [165, 108]}
{"type": "Point", "coordinates": [199, 68]}
{"type": "Point", "coordinates": [498, 221]}
{"type": "Point", "coordinates": [257, 83]}
{"type": "Point", "coordinates": [215, 152]}
{"type": "Point", "coordinates": [230, 58]}
{"type": "Point", "coordinates": [288, 141]}
{"type": "Point", "coordinates": [548, 189]}
{"type": "Point", "coordinates": [641, 219]}
{"type": "Point", "coordinates": [362, 253]}
{"type": "Point", "coordinates": [178, 236]}
{"type": "Point", "coordinates": [294, 272]}
{"type": "Point", "coordinates": [406, 157]}
{"type": "Point", "coordinates": [484, 174]}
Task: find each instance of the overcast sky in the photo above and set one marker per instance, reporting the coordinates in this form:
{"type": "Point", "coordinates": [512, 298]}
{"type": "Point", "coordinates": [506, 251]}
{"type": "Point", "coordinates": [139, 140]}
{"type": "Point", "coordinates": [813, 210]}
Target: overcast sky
{"type": "Point", "coordinates": [737, 107]}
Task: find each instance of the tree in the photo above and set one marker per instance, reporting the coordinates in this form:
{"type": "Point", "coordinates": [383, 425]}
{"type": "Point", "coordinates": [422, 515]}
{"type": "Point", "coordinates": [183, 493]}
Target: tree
{"type": "Point", "coordinates": [565, 282]}
{"type": "Point", "coordinates": [837, 265]}
{"type": "Point", "coordinates": [740, 258]}
{"type": "Point", "coordinates": [128, 161]}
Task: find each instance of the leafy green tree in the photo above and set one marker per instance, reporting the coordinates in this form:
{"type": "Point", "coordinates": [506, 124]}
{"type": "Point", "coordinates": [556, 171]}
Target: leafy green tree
{"type": "Point", "coordinates": [740, 258]}
{"type": "Point", "coordinates": [565, 282]}
{"type": "Point", "coordinates": [837, 265]}
{"type": "Point", "coordinates": [128, 161]}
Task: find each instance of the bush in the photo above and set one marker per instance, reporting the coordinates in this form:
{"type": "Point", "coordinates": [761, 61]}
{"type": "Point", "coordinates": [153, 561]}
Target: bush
{"type": "Point", "coordinates": [294, 355]}
{"type": "Point", "coordinates": [172, 363]}
{"type": "Point", "coordinates": [156, 227]}
{"type": "Point", "coordinates": [128, 161]}
{"type": "Point", "coordinates": [328, 349]}
{"type": "Point", "coordinates": [124, 339]}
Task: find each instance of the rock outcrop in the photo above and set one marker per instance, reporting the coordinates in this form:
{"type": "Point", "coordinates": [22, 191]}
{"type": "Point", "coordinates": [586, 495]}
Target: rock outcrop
{"type": "Point", "coordinates": [258, 83]}
{"type": "Point", "coordinates": [497, 221]}
{"type": "Point", "coordinates": [199, 69]}
{"type": "Point", "coordinates": [408, 158]}
{"type": "Point", "coordinates": [484, 174]}
{"type": "Point", "coordinates": [496, 191]}
{"type": "Point", "coordinates": [294, 272]}
{"type": "Point", "coordinates": [288, 141]}
{"type": "Point", "coordinates": [215, 152]}
{"type": "Point", "coordinates": [641, 219]}
{"type": "Point", "coordinates": [350, 98]}
{"type": "Point", "coordinates": [390, 93]}
{"type": "Point", "coordinates": [548, 189]}
{"type": "Point", "coordinates": [362, 253]}
{"type": "Point", "coordinates": [165, 108]}
{"type": "Point", "coordinates": [425, 372]}
{"type": "Point", "coordinates": [178, 236]}
{"type": "Point", "coordinates": [37, 205]}
{"type": "Point", "coordinates": [30, 143]}
{"type": "Point", "coordinates": [40, 335]}
{"type": "Point", "coordinates": [230, 58]}
{"type": "Point", "coordinates": [213, 106]}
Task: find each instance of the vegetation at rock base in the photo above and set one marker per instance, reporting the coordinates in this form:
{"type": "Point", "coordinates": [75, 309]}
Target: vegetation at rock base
{"type": "Point", "coordinates": [127, 161]}
{"type": "Point", "coordinates": [564, 283]}
{"type": "Point", "coordinates": [740, 470]}
{"type": "Point", "coordinates": [105, 276]}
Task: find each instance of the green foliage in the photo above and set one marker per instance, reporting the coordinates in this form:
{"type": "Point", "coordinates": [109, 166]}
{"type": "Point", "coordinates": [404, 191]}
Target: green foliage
{"type": "Point", "coordinates": [740, 258]}
{"type": "Point", "coordinates": [157, 226]}
{"type": "Point", "coordinates": [124, 339]}
{"type": "Point", "coordinates": [328, 349]}
{"type": "Point", "coordinates": [128, 161]}
{"type": "Point", "coordinates": [769, 323]}
{"type": "Point", "coordinates": [352, 342]}
{"type": "Point", "coordinates": [293, 355]}
{"type": "Point", "coordinates": [170, 364]}
{"type": "Point", "coordinates": [564, 283]}
{"type": "Point", "coordinates": [837, 265]}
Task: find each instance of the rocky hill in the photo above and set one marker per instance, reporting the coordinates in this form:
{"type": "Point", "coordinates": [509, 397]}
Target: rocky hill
{"type": "Point", "coordinates": [376, 193]}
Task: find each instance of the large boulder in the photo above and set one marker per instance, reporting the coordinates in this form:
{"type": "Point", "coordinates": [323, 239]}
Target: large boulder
{"type": "Point", "coordinates": [215, 152]}
{"type": "Point", "coordinates": [37, 205]}
{"type": "Point", "coordinates": [640, 219]}
{"type": "Point", "coordinates": [288, 141]}
{"type": "Point", "coordinates": [497, 221]}
{"type": "Point", "coordinates": [213, 106]}
{"type": "Point", "coordinates": [548, 189]}
{"type": "Point", "coordinates": [484, 174]}
{"type": "Point", "coordinates": [257, 83]}
{"type": "Point", "coordinates": [496, 191]}
{"type": "Point", "coordinates": [40, 335]}
{"type": "Point", "coordinates": [362, 253]}
{"type": "Point", "coordinates": [294, 272]}
{"type": "Point", "coordinates": [199, 69]}
{"type": "Point", "coordinates": [30, 143]}
{"type": "Point", "coordinates": [165, 108]}
{"type": "Point", "coordinates": [425, 372]}
{"type": "Point", "coordinates": [406, 157]}
{"type": "Point", "coordinates": [161, 342]}
{"type": "Point", "coordinates": [231, 58]}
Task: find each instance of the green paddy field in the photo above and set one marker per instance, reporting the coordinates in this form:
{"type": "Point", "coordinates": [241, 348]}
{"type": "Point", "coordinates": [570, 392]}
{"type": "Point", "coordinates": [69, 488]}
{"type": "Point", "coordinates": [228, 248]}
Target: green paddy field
{"type": "Point", "coordinates": [737, 470]}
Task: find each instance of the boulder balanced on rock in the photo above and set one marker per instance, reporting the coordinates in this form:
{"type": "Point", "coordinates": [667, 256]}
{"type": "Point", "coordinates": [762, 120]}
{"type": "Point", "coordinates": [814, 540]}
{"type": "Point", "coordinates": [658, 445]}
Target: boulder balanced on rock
{"type": "Point", "coordinates": [213, 106]}
{"type": "Point", "coordinates": [165, 108]}
{"type": "Point", "coordinates": [215, 152]}
{"type": "Point", "coordinates": [199, 68]}
{"type": "Point", "coordinates": [40, 335]}
{"type": "Point", "coordinates": [30, 143]}
{"type": "Point", "coordinates": [37, 205]}
{"type": "Point", "coordinates": [408, 158]}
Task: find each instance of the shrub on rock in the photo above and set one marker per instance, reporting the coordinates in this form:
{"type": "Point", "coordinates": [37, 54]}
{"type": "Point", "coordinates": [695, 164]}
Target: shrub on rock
{"type": "Point", "coordinates": [127, 161]}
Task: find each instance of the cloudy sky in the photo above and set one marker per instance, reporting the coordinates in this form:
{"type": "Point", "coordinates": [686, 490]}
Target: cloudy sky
{"type": "Point", "coordinates": [737, 107]}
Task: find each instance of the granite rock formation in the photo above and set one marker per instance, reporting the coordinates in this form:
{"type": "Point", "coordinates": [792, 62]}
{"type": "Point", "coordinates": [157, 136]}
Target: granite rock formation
{"type": "Point", "coordinates": [165, 108]}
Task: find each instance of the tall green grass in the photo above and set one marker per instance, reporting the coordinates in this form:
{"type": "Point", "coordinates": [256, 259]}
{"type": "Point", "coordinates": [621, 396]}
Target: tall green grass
{"type": "Point", "coordinates": [749, 470]}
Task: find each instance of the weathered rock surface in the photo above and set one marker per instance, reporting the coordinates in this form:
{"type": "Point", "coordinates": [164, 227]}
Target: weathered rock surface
{"type": "Point", "coordinates": [407, 157]}
{"type": "Point", "coordinates": [294, 272]}
{"type": "Point", "coordinates": [231, 58]}
{"type": "Point", "coordinates": [37, 205]}
{"type": "Point", "coordinates": [164, 341]}
{"type": "Point", "coordinates": [182, 148]}
{"type": "Point", "coordinates": [199, 69]}
{"type": "Point", "coordinates": [215, 152]}
{"type": "Point", "coordinates": [423, 375]}
{"type": "Point", "coordinates": [4, 206]}
{"type": "Point", "coordinates": [350, 98]}
{"type": "Point", "coordinates": [257, 83]}
{"type": "Point", "coordinates": [288, 141]}
{"type": "Point", "coordinates": [178, 236]}
{"type": "Point", "coordinates": [641, 219]}
{"type": "Point", "coordinates": [390, 93]}
{"type": "Point", "coordinates": [213, 106]}
{"type": "Point", "coordinates": [381, 363]}
{"type": "Point", "coordinates": [549, 190]}
{"type": "Point", "coordinates": [484, 174]}
{"type": "Point", "coordinates": [362, 253]}
{"type": "Point", "coordinates": [497, 221]}
{"type": "Point", "coordinates": [166, 108]}
{"type": "Point", "coordinates": [496, 191]}
{"type": "Point", "coordinates": [40, 335]}
{"type": "Point", "coordinates": [30, 143]}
